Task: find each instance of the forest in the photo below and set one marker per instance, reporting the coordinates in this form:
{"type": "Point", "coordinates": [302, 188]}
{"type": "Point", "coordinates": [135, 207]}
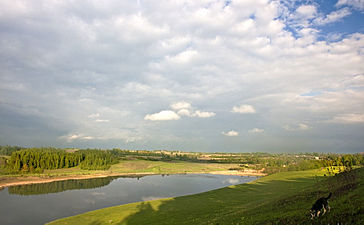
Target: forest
{"type": "Point", "coordinates": [36, 160]}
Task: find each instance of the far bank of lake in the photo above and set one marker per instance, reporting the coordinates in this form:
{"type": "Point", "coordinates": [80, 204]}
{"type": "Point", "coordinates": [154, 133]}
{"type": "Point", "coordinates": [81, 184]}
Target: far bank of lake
{"type": "Point", "coordinates": [127, 168]}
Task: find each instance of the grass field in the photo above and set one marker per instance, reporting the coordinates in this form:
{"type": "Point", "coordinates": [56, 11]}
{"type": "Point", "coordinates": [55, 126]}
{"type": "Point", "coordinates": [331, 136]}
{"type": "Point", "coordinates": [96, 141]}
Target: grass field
{"type": "Point", "coordinates": [283, 198]}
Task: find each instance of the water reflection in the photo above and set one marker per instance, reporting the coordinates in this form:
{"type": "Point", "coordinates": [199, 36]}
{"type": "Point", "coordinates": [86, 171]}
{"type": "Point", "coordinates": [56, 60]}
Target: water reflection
{"type": "Point", "coordinates": [60, 186]}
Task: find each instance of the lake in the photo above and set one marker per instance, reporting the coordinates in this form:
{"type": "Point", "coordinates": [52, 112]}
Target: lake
{"type": "Point", "coordinates": [40, 203]}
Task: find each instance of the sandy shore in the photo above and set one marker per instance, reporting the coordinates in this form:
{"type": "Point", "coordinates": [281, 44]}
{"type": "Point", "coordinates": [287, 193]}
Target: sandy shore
{"type": "Point", "coordinates": [14, 181]}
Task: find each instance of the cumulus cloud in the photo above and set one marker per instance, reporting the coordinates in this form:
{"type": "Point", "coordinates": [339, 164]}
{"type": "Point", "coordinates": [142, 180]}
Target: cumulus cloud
{"type": "Point", "coordinates": [256, 130]}
{"type": "Point", "coordinates": [182, 109]}
{"type": "Point", "coordinates": [180, 105]}
{"type": "Point", "coordinates": [244, 109]}
{"type": "Point", "coordinates": [197, 113]}
{"type": "Point", "coordinates": [162, 115]}
{"type": "Point", "coordinates": [231, 133]}
{"type": "Point", "coordinates": [202, 114]}
{"type": "Point", "coordinates": [184, 112]}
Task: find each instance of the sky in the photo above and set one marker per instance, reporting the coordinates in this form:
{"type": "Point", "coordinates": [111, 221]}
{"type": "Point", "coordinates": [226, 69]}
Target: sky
{"type": "Point", "coordinates": [203, 76]}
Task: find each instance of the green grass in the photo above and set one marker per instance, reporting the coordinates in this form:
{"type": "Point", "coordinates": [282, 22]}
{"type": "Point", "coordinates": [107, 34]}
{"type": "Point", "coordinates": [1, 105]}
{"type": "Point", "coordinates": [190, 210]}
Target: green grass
{"type": "Point", "coordinates": [143, 166]}
{"type": "Point", "coordinates": [283, 198]}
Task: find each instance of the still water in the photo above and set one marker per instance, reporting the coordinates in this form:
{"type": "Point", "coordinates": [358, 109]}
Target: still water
{"type": "Point", "coordinates": [40, 203]}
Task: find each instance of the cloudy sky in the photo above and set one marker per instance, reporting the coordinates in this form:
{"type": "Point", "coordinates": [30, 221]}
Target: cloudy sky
{"type": "Point", "coordinates": [209, 75]}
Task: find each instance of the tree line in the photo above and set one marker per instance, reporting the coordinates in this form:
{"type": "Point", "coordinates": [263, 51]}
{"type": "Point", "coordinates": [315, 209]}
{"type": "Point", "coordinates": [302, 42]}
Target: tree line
{"type": "Point", "coordinates": [36, 160]}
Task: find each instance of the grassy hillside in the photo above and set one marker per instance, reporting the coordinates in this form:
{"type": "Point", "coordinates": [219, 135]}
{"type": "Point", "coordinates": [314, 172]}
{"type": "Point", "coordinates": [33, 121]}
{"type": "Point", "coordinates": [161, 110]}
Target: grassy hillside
{"type": "Point", "coordinates": [283, 198]}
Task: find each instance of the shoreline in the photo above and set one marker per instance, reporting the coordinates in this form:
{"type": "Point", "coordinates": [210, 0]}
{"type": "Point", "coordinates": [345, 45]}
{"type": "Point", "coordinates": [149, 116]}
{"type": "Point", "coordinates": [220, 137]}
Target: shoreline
{"type": "Point", "coordinates": [16, 181]}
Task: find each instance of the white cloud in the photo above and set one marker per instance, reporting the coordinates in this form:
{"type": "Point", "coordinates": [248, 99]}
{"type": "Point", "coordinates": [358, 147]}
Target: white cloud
{"type": "Point", "coordinates": [184, 109]}
{"type": "Point", "coordinates": [306, 11]}
{"type": "Point", "coordinates": [333, 16]}
{"type": "Point", "coordinates": [162, 115]}
{"type": "Point", "coordinates": [180, 105]}
{"type": "Point", "coordinates": [256, 130]}
{"type": "Point", "coordinates": [350, 118]}
{"type": "Point", "coordinates": [183, 57]}
{"type": "Point", "coordinates": [73, 137]}
{"type": "Point", "coordinates": [357, 4]}
{"type": "Point", "coordinates": [201, 114]}
{"type": "Point", "coordinates": [184, 112]}
{"type": "Point", "coordinates": [101, 121]}
{"type": "Point", "coordinates": [300, 126]}
{"type": "Point", "coordinates": [243, 109]}
{"type": "Point", "coordinates": [231, 133]}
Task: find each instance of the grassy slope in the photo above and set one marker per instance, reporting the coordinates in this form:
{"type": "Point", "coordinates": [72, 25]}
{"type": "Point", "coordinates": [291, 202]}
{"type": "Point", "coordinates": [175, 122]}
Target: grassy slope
{"type": "Point", "coordinates": [283, 198]}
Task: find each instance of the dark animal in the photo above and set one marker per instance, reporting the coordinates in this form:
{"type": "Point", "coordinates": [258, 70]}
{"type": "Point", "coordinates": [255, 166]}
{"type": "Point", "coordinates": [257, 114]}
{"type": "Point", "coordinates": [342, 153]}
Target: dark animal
{"type": "Point", "coordinates": [320, 204]}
